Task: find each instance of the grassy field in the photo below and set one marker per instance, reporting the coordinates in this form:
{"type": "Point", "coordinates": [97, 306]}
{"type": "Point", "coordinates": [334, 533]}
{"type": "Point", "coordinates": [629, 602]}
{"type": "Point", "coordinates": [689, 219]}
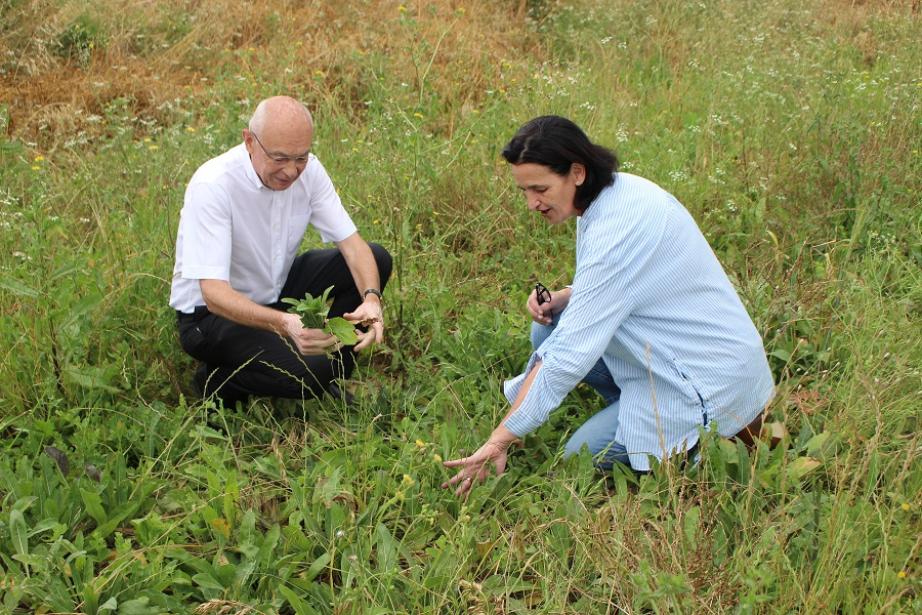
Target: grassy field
{"type": "Point", "coordinates": [789, 128]}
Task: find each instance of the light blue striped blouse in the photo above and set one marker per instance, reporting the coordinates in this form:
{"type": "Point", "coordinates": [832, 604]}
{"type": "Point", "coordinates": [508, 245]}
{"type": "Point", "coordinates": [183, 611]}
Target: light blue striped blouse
{"type": "Point", "coordinates": [651, 299]}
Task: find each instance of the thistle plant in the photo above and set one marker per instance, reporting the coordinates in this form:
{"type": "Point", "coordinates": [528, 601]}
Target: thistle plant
{"type": "Point", "coordinates": [313, 312]}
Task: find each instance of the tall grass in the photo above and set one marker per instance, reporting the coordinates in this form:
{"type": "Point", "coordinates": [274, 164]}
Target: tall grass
{"type": "Point", "coordinates": [789, 129]}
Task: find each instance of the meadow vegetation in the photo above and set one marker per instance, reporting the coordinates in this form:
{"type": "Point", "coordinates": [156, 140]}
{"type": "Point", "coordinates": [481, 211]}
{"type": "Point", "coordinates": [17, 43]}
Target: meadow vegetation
{"type": "Point", "coordinates": [789, 128]}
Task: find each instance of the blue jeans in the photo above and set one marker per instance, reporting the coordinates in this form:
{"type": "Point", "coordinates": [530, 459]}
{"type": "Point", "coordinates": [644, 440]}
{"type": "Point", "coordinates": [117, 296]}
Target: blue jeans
{"type": "Point", "coordinates": [598, 432]}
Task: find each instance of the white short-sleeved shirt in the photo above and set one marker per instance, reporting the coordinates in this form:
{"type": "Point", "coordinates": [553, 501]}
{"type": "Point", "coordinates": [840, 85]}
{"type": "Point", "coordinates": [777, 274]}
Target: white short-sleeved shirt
{"type": "Point", "coordinates": [234, 228]}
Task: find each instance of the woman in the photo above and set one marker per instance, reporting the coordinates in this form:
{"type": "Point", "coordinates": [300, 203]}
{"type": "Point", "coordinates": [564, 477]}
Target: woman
{"type": "Point", "coordinates": [650, 321]}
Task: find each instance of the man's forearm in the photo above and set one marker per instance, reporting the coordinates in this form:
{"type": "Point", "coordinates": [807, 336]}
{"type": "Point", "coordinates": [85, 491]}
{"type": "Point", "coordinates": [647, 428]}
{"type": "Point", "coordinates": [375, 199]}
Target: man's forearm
{"type": "Point", "coordinates": [361, 263]}
{"type": "Point", "coordinates": [226, 302]}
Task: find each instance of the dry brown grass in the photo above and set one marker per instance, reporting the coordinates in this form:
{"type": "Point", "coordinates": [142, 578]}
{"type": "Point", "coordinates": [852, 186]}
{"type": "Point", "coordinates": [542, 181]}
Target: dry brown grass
{"type": "Point", "coordinates": [55, 74]}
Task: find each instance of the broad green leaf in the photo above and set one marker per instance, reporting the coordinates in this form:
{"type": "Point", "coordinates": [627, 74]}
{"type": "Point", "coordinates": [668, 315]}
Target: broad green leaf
{"type": "Point", "coordinates": [206, 581]}
{"type": "Point", "coordinates": [138, 606]}
{"type": "Point", "coordinates": [90, 377]}
{"type": "Point", "coordinates": [386, 548]}
{"type": "Point", "coordinates": [93, 504]}
{"type": "Point", "coordinates": [297, 603]}
{"type": "Point", "coordinates": [784, 355]}
{"type": "Point", "coordinates": [18, 288]}
{"type": "Point", "coordinates": [317, 566]}
{"type": "Point", "coordinates": [126, 510]}
{"type": "Point", "coordinates": [343, 330]}
{"type": "Point", "coordinates": [18, 532]}
{"type": "Point", "coordinates": [802, 466]}
{"type": "Point", "coordinates": [820, 445]}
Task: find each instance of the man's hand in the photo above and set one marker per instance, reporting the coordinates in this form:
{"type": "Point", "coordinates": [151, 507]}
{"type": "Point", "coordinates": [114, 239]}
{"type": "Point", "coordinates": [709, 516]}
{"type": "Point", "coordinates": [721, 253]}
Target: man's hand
{"type": "Point", "coordinates": [308, 341]}
{"type": "Point", "coordinates": [544, 314]}
{"type": "Point", "coordinates": [370, 314]}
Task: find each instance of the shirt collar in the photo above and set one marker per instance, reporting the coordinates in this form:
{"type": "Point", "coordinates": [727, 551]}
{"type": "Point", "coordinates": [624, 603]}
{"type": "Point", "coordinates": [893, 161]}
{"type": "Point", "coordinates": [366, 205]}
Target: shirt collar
{"type": "Point", "coordinates": [248, 169]}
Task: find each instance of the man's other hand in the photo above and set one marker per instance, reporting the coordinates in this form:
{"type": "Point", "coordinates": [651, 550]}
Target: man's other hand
{"type": "Point", "coordinates": [309, 341]}
{"type": "Point", "coordinates": [369, 313]}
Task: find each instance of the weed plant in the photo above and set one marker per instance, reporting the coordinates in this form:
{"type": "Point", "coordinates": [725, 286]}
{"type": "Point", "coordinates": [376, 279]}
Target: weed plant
{"type": "Point", "coordinates": [791, 131]}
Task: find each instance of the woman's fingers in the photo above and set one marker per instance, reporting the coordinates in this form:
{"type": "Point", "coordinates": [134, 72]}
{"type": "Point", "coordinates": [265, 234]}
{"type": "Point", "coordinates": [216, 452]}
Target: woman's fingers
{"type": "Point", "coordinates": [454, 463]}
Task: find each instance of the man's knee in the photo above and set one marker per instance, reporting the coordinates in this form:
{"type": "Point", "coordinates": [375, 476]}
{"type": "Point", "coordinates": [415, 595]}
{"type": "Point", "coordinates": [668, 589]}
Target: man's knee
{"type": "Point", "coordinates": [384, 261]}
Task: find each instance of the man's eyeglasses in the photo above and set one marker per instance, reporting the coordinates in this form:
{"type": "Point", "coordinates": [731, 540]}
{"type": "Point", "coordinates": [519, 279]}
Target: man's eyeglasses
{"type": "Point", "coordinates": [542, 294]}
{"type": "Point", "coordinates": [276, 158]}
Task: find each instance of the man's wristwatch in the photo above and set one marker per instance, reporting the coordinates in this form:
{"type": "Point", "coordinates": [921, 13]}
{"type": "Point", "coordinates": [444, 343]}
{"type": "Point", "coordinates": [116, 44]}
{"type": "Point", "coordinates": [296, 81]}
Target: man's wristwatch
{"type": "Point", "coordinates": [372, 291]}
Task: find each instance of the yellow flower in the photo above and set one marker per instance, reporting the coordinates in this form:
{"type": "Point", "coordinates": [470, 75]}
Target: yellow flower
{"type": "Point", "coordinates": [376, 221]}
{"type": "Point", "coordinates": [420, 443]}
{"type": "Point", "coordinates": [402, 8]}
{"type": "Point", "coordinates": [408, 480]}
{"type": "Point", "coordinates": [190, 129]}
{"type": "Point", "coordinates": [901, 574]}
{"type": "Point", "coordinates": [437, 458]}
{"type": "Point", "coordinates": [147, 139]}
{"type": "Point", "coordinates": [153, 147]}
{"type": "Point", "coordinates": [905, 506]}
{"type": "Point", "coordinates": [35, 167]}
{"type": "Point", "coordinates": [39, 158]}
{"type": "Point", "coordinates": [418, 114]}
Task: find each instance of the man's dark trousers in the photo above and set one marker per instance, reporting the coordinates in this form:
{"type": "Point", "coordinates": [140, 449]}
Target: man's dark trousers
{"type": "Point", "coordinates": [241, 361]}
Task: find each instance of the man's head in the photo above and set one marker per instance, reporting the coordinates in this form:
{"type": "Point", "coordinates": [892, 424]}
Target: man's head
{"type": "Point", "coordinates": [278, 139]}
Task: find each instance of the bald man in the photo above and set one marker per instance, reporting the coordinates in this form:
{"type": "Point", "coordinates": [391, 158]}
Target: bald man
{"type": "Point", "coordinates": [243, 218]}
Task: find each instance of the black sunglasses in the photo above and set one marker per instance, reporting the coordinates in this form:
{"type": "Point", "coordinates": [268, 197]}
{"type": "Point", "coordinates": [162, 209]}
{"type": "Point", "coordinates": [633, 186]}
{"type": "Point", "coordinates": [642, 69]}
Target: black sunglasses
{"type": "Point", "coordinates": [542, 294]}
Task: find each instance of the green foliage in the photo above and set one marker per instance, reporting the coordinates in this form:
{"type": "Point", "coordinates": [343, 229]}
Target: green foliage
{"type": "Point", "coordinates": [789, 131]}
{"type": "Point", "coordinates": [78, 40]}
{"type": "Point", "coordinates": [313, 313]}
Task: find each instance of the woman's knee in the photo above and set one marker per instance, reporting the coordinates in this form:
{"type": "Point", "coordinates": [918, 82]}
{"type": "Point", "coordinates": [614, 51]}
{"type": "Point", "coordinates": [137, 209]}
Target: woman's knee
{"type": "Point", "coordinates": [539, 333]}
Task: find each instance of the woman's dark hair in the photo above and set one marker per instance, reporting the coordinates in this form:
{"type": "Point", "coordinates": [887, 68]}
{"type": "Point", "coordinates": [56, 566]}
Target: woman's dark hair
{"type": "Point", "coordinates": [557, 143]}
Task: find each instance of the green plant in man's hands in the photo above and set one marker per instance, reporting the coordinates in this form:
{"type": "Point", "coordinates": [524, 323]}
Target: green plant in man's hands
{"type": "Point", "coordinates": [313, 313]}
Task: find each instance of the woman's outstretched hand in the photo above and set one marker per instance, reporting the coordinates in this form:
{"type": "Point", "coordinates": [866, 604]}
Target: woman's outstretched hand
{"type": "Point", "coordinates": [476, 467]}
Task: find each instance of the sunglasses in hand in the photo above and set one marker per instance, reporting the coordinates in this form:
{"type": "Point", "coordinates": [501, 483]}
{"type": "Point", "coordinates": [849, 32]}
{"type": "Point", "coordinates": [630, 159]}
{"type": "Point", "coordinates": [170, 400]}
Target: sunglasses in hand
{"type": "Point", "coordinates": [542, 294]}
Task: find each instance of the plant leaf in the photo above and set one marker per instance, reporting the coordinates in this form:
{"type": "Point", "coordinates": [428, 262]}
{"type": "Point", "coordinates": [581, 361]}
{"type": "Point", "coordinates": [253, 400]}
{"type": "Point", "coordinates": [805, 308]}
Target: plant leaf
{"type": "Point", "coordinates": [343, 330]}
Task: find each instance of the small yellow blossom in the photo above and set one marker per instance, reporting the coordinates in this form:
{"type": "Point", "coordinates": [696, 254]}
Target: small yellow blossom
{"type": "Point", "coordinates": [376, 221]}
{"type": "Point", "coordinates": [39, 158]}
{"type": "Point", "coordinates": [437, 458]}
{"type": "Point", "coordinates": [35, 167]}
{"type": "Point", "coordinates": [402, 8]}
{"type": "Point", "coordinates": [418, 115]}
{"type": "Point", "coordinates": [190, 129]}
{"type": "Point", "coordinates": [901, 574]}
{"type": "Point", "coordinates": [905, 506]}
{"type": "Point", "coordinates": [153, 147]}
{"type": "Point", "coordinates": [420, 443]}
{"type": "Point", "coordinates": [147, 139]}
{"type": "Point", "coordinates": [408, 480]}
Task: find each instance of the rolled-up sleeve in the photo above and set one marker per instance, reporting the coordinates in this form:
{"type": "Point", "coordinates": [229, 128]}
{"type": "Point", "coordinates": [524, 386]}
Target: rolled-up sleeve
{"type": "Point", "coordinates": [611, 260]}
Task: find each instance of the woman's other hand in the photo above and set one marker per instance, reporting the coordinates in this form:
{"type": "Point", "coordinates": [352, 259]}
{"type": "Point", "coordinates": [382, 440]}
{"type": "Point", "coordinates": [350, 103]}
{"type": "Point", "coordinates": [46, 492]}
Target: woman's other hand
{"type": "Point", "coordinates": [544, 314]}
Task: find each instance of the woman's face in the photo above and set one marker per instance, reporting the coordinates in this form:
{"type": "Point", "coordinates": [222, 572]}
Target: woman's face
{"type": "Point", "coordinates": [548, 193]}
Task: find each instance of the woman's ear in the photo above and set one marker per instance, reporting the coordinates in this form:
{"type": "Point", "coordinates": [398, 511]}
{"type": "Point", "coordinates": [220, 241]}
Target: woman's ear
{"type": "Point", "coordinates": [578, 172]}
